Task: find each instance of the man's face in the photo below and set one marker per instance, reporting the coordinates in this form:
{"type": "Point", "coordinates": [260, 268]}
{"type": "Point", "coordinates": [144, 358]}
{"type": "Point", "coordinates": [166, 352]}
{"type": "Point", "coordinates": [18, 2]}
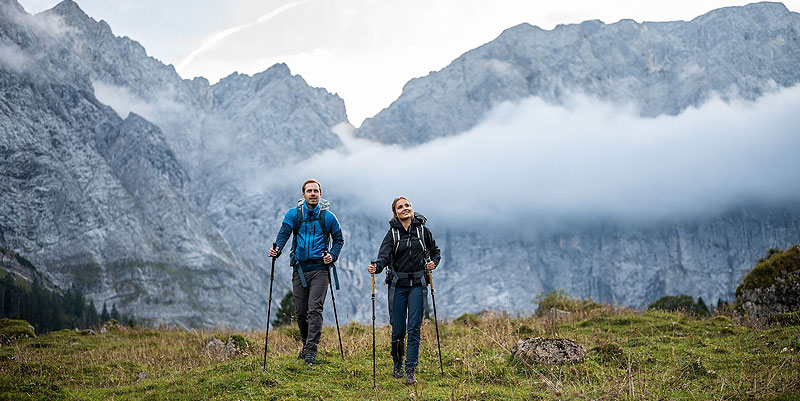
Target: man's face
{"type": "Point", "coordinates": [311, 194]}
{"type": "Point", "coordinates": [403, 209]}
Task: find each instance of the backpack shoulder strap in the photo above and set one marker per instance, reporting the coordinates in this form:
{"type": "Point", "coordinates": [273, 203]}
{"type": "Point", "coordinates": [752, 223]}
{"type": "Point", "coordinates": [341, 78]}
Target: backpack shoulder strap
{"type": "Point", "coordinates": [322, 214]}
{"type": "Point", "coordinates": [395, 239]}
{"type": "Point", "coordinates": [421, 237]}
{"type": "Point", "coordinates": [298, 219]}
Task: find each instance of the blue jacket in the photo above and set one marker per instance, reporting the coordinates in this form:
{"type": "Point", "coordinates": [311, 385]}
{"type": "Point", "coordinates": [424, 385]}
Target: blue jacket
{"type": "Point", "coordinates": [310, 240]}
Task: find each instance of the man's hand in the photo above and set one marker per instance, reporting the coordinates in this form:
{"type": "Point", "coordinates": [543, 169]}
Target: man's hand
{"type": "Point", "coordinates": [372, 268]}
{"type": "Point", "coordinates": [274, 253]}
{"type": "Point", "coordinates": [327, 258]}
{"type": "Point", "coordinates": [430, 265]}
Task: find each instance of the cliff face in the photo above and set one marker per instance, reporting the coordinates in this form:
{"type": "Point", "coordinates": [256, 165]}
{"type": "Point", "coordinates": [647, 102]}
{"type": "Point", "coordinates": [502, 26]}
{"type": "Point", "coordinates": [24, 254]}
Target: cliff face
{"type": "Point", "coordinates": [100, 201]}
{"type": "Point", "coordinates": [134, 184]}
{"type": "Point", "coordinates": [659, 67]}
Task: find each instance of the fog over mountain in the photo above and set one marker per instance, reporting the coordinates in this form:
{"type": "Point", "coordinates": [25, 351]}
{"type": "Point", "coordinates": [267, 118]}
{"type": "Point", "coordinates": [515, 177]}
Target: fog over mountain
{"type": "Point", "coordinates": [621, 162]}
{"type": "Point", "coordinates": [586, 160]}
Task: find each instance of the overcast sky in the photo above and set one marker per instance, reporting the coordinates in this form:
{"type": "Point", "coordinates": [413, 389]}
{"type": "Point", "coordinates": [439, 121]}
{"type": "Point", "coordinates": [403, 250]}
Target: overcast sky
{"type": "Point", "coordinates": [364, 50]}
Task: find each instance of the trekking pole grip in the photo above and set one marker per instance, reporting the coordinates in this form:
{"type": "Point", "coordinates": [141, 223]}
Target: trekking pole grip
{"type": "Point", "coordinates": [373, 278]}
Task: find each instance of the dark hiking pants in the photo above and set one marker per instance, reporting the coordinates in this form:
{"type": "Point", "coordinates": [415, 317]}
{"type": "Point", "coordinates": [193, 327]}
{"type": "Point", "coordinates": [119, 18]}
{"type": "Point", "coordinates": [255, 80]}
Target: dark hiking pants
{"type": "Point", "coordinates": [406, 317]}
{"type": "Point", "coordinates": [308, 303]}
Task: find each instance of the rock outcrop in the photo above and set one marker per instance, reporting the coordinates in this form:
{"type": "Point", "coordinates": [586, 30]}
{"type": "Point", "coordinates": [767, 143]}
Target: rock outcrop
{"type": "Point", "coordinates": [545, 351]}
{"type": "Point", "coordinates": [772, 287]}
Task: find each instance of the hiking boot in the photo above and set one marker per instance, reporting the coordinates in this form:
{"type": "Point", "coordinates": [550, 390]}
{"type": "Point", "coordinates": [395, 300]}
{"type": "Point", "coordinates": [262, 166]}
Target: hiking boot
{"type": "Point", "coordinates": [398, 368]}
{"type": "Point", "coordinates": [302, 355]}
{"type": "Point", "coordinates": [411, 376]}
{"type": "Point", "coordinates": [310, 358]}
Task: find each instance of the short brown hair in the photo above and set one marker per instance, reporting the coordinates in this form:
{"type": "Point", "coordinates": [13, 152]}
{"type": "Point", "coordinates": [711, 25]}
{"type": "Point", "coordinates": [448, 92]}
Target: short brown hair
{"type": "Point", "coordinates": [310, 181]}
{"type": "Point", "coordinates": [394, 203]}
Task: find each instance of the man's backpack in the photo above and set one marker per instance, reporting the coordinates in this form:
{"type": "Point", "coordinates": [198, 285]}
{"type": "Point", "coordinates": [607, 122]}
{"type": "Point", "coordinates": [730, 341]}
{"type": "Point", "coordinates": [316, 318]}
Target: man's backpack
{"type": "Point", "coordinates": [324, 205]}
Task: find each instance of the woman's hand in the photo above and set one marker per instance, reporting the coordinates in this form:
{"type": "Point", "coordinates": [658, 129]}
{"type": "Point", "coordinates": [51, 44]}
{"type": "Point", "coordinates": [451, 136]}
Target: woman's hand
{"type": "Point", "coordinates": [430, 265]}
{"type": "Point", "coordinates": [372, 268]}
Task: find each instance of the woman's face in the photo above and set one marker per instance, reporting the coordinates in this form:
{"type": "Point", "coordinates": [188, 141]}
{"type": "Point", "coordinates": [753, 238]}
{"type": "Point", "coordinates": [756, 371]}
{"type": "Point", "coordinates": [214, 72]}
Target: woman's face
{"type": "Point", "coordinates": [403, 209]}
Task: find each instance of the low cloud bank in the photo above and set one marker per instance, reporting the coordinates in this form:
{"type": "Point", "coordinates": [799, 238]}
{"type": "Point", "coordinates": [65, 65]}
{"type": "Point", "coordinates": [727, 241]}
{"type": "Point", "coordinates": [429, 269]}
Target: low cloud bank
{"type": "Point", "coordinates": [123, 101]}
{"type": "Point", "coordinates": [13, 59]}
{"type": "Point", "coordinates": [588, 160]}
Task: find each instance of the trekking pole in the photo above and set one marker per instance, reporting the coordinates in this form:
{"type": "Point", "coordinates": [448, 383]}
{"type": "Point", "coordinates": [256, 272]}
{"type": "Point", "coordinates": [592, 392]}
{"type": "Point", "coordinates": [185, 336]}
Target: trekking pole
{"type": "Point", "coordinates": [333, 300]}
{"type": "Point", "coordinates": [373, 326]}
{"type": "Point", "coordinates": [269, 306]}
{"type": "Point", "coordinates": [435, 319]}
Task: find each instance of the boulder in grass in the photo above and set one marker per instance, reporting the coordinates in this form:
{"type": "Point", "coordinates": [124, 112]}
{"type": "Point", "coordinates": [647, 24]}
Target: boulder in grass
{"type": "Point", "coordinates": [234, 347]}
{"type": "Point", "coordinates": [557, 314]}
{"type": "Point", "coordinates": [548, 351]}
{"type": "Point", "coordinates": [112, 326]}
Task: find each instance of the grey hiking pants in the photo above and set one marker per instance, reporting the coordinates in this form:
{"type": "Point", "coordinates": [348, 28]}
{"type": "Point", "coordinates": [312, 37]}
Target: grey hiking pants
{"type": "Point", "coordinates": [308, 303]}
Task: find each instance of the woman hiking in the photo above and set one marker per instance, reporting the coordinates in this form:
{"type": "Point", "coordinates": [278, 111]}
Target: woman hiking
{"type": "Point", "coordinates": [408, 250]}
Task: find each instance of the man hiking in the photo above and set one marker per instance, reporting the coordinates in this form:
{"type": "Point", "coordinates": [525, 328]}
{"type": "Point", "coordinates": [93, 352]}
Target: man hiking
{"type": "Point", "coordinates": [408, 250]}
{"type": "Point", "coordinates": [312, 226]}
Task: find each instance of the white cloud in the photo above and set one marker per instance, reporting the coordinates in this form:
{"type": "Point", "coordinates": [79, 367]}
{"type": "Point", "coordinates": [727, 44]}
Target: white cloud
{"type": "Point", "coordinates": [533, 160]}
{"type": "Point", "coordinates": [14, 59]}
{"type": "Point", "coordinates": [217, 38]}
{"type": "Point", "coordinates": [123, 102]}
{"type": "Point", "coordinates": [49, 24]}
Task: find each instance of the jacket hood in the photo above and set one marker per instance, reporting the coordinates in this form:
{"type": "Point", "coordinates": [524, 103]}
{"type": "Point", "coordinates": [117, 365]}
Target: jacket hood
{"type": "Point", "coordinates": [323, 204]}
{"type": "Point", "coordinates": [419, 219]}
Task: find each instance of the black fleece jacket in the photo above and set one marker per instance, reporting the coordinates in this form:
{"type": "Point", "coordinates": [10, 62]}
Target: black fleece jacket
{"type": "Point", "coordinates": [408, 256]}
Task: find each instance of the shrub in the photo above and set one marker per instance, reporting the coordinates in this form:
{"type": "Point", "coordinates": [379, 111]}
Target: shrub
{"type": "Point", "coordinates": [684, 303]}
{"type": "Point", "coordinates": [292, 332]}
{"type": "Point", "coordinates": [775, 264]}
{"type": "Point", "coordinates": [559, 300]}
{"type": "Point", "coordinates": [785, 319]}
{"type": "Point", "coordinates": [469, 319]}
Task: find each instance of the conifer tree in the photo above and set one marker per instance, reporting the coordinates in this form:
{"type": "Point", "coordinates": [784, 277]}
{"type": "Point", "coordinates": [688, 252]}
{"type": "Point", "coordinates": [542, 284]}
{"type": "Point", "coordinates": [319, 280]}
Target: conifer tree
{"type": "Point", "coordinates": [92, 319]}
{"type": "Point", "coordinates": [104, 314]}
{"type": "Point", "coordinates": [115, 312]}
{"type": "Point", "coordinates": [702, 309]}
{"type": "Point", "coordinates": [285, 313]}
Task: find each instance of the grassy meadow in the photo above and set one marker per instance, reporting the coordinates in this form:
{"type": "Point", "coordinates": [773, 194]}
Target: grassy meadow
{"type": "Point", "coordinates": [631, 356]}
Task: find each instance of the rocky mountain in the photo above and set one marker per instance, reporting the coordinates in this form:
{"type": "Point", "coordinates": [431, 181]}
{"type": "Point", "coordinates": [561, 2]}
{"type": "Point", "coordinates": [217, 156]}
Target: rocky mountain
{"type": "Point", "coordinates": [97, 200]}
{"type": "Point", "coordinates": [137, 185]}
{"type": "Point", "coordinates": [660, 67]}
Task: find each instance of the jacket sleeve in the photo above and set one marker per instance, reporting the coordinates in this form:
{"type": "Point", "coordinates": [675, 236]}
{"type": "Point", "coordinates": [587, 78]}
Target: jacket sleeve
{"type": "Point", "coordinates": [286, 229]}
{"type": "Point", "coordinates": [384, 253]}
{"type": "Point", "coordinates": [436, 254]}
{"type": "Point", "coordinates": [336, 236]}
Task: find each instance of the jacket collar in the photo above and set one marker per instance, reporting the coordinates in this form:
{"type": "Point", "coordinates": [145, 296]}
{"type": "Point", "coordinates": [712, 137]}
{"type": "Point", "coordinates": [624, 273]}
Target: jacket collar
{"type": "Point", "coordinates": [415, 221]}
{"type": "Point", "coordinates": [310, 212]}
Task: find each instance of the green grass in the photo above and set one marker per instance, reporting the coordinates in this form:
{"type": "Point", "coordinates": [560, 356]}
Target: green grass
{"type": "Point", "coordinates": [12, 330]}
{"type": "Point", "coordinates": [631, 356]}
